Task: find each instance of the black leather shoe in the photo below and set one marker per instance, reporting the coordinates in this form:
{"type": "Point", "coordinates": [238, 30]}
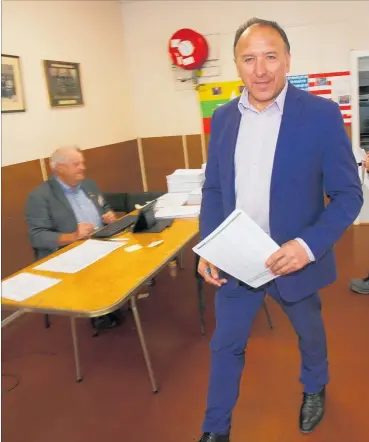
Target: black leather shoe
{"type": "Point", "coordinates": [312, 411]}
{"type": "Point", "coordinates": [213, 437]}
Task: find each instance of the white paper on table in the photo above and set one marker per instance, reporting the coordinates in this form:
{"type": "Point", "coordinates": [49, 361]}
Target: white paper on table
{"type": "Point", "coordinates": [118, 239]}
{"type": "Point", "coordinates": [178, 212]}
{"type": "Point", "coordinates": [80, 257]}
{"type": "Point", "coordinates": [25, 285]}
{"type": "Point", "coordinates": [133, 248]}
{"type": "Point", "coordinates": [240, 248]}
{"type": "Point", "coordinates": [155, 243]}
{"type": "Point", "coordinates": [171, 199]}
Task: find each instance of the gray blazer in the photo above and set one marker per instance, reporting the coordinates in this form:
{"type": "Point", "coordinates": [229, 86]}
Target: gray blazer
{"type": "Point", "coordinates": [49, 214]}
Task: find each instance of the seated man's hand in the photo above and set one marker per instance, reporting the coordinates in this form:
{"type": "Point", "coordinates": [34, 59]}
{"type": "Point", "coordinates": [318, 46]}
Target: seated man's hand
{"type": "Point", "coordinates": [109, 217]}
{"type": "Point", "coordinates": [291, 257]}
{"type": "Point", "coordinates": [84, 230]}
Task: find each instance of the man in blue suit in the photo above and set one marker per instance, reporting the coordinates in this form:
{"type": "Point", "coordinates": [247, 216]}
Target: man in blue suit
{"type": "Point", "coordinates": [273, 153]}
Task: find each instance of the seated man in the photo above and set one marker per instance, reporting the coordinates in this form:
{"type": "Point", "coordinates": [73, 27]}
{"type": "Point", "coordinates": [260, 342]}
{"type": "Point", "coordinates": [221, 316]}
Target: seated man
{"type": "Point", "coordinates": [361, 285]}
{"type": "Point", "coordinates": [67, 208]}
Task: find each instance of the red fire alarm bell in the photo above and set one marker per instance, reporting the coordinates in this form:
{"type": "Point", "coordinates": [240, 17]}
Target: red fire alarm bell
{"type": "Point", "coordinates": [188, 49]}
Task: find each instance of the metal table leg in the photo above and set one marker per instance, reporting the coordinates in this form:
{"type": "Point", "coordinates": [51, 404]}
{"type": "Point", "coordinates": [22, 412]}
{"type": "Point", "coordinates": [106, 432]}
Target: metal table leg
{"type": "Point", "coordinates": [269, 319]}
{"type": "Point", "coordinates": [201, 303]}
{"type": "Point", "coordinates": [76, 349]}
{"type": "Point", "coordinates": [143, 344]}
{"type": "Point", "coordinates": [181, 260]}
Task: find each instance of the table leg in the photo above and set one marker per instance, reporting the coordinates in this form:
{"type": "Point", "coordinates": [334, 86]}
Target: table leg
{"type": "Point", "coordinates": [76, 349]}
{"type": "Point", "coordinates": [143, 344]}
{"type": "Point", "coordinates": [181, 260]}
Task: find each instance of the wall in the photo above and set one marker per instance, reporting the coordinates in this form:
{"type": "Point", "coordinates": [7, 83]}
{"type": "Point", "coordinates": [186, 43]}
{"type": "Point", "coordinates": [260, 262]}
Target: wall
{"type": "Point", "coordinates": [321, 37]}
{"type": "Point", "coordinates": [87, 32]}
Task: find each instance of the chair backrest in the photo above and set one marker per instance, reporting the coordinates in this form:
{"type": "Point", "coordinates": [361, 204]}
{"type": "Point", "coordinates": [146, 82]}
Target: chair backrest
{"type": "Point", "coordinates": [117, 201]}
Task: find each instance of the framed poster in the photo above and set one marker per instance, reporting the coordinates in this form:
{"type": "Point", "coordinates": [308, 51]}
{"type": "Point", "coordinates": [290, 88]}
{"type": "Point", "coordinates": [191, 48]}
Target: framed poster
{"type": "Point", "coordinates": [63, 83]}
{"type": "Point", "coordinates": [12, 95]}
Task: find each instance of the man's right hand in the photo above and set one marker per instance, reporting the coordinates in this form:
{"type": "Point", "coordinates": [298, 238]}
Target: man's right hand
{"type": "Point", "coordinates": [84, 230]}
{"type": "Point", "coordinates": [366, 162]}
{"type": "Point", "coordinates": [210, 273]}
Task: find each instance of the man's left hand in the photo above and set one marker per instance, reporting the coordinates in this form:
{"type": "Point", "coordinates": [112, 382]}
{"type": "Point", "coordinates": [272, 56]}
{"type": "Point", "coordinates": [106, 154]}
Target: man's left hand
{"type": "Point", "coordinates": [289, 258]}
{"type": "Point", "coordinates": [109, 217]}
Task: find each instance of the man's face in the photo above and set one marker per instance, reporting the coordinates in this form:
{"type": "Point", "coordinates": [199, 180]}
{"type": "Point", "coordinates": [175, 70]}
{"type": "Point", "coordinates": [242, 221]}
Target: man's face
{"type": "Point", "coordinates": [72, 171]}
{"type": "Point", "coordinates": [262, 62]}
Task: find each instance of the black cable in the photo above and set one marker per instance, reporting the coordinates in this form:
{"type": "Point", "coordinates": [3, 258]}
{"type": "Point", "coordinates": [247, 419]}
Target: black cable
{"type": "Point", "coordinates": [15, 385]}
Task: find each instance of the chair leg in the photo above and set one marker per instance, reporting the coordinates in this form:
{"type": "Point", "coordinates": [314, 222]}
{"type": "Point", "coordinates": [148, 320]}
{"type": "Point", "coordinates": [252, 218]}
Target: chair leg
{"type": "Point", "coordinates": [269, 319]}
{"type": "Point", "coordinates": [46, 321]}
{"type": "Point", "coordinates": [201, 302]}
{"type": "Point", "coordinates": [95, 331]}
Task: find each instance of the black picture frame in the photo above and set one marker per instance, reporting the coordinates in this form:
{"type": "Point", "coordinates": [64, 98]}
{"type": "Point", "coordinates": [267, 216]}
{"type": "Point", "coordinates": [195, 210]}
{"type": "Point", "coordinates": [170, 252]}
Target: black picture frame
{"type": "Point", "coordinates": [63, 81]}
{"type": "Point", "coordinates": [12, 93]}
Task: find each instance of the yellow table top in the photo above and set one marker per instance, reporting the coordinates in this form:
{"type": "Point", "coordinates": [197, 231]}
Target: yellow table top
{"type": "Point", "coordinates": [104, 285]}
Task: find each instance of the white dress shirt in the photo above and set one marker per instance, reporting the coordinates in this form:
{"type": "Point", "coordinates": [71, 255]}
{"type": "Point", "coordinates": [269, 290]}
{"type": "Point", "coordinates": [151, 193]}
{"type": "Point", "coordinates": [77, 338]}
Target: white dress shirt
{"type": "Point", "coordinates": [254, 158]}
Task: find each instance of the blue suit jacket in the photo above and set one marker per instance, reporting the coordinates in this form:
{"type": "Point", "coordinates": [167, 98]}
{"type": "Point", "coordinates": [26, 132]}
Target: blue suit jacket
{"type": "Point", "coordinates": [313, 156]}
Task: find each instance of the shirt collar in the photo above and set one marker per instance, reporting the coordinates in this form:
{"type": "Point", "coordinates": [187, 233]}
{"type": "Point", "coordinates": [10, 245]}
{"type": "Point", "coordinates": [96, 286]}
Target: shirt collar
{"type": "Point", "coordinates": [244, 103]}
{"type": "Point", "coordinates": [66, 188]}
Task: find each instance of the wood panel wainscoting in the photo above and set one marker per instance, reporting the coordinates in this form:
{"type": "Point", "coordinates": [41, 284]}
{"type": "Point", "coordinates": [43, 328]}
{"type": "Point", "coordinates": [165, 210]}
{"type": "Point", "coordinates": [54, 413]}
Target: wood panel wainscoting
{"type": "Point", "coordinates": [162, 156]}
{"type": "Point", "coordinates": [17, 182]}
{"type": "Point", "coordinates": [194, 151]}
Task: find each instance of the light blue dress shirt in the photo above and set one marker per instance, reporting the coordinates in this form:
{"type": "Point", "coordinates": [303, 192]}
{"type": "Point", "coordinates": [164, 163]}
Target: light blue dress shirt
{"type": "Point", "coordinates": [83, 207]}
{"type": "Point", "coordinates": [254, 158]}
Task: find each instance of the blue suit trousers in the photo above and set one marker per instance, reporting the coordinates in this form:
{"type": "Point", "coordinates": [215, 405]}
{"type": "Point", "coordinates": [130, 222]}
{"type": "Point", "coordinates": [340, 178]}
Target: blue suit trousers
{"type": "Point", "coordinates": [235, 309]}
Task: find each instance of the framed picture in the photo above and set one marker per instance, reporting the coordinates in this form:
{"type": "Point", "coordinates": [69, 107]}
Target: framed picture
{"type": "Point", "coordinates": [12, 95]}
{"type": "Point", "coordinates": [63, 83]}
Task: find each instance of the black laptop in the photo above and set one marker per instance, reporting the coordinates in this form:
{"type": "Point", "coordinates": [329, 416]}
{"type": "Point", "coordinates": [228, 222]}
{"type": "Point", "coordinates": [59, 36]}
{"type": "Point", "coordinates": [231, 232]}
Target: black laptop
{"type": "Point", "coordinates": [144, 222]}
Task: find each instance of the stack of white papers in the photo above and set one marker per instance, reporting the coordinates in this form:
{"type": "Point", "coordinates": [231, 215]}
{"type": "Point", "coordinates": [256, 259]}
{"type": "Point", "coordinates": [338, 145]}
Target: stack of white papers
{"type": "Point", "coordinates": [25, 285]}
{"type": "Point", "coordinates": [185, 180]}
{"type": "Point", "coordinates": [171, 200]}
{"type": "Point", "coordinates": [240, 248]}
{"type": "Point", "coordinates": [80, 257]}
{"type": "Point", "coordinates": [178, 212]}
{"type": "Point", "coordinates": [203, 166]}
{"type": "Point", "coordinates": [195, 196]}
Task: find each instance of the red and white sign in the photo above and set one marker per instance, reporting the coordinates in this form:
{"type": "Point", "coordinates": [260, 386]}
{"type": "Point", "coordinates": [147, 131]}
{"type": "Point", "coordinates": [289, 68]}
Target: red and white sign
{"type": "Point", "coordinates": [188, 49]}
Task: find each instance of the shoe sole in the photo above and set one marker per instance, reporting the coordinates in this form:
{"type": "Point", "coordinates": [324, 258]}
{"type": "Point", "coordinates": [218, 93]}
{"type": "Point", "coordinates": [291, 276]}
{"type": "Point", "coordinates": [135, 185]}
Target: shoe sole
{"type": "Point", "coordinates": [361, 292]}
{"type": "Point", "coordinates": [310, 431]}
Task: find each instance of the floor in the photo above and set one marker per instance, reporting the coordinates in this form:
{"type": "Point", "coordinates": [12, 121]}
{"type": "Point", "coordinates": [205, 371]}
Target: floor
{"type": "Point", "coordinates": [115, 403]}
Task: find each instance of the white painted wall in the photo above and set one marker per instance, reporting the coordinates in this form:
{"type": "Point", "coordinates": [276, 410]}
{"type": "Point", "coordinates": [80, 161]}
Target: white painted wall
{"type": "Point", "coordinates": [88, 32]}
{"type": "Point", "coordinates": [321, 36]}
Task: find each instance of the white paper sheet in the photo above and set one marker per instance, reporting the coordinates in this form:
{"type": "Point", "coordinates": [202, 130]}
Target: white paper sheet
{"type": "Point", "coordinates": [133, 248]}
{"type": "Point", "coordinates": [25, 285]}
{"type": "Point", "coordinates": [240, 248]}
{"type": "Point", "coordinates": [171, 200]}
{"type": "Point", "coordinates": [80, 257]}
{"type": "Point", "coordinates": [178, 212]}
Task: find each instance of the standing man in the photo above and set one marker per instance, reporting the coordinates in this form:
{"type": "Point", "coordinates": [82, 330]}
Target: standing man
{"type": "Point", "coordinates": [362, 285]}
{"type": "Point", "coordinates": [273, 153]}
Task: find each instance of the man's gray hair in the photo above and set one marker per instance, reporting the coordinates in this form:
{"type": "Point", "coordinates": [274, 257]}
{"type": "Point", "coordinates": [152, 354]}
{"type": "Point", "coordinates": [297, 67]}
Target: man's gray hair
{"type": "Point", "coordinates": [60, 156]}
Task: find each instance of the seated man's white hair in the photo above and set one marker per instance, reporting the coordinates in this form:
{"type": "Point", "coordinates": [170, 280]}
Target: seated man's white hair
{"type": "Point", "coordinates": [60, 156]}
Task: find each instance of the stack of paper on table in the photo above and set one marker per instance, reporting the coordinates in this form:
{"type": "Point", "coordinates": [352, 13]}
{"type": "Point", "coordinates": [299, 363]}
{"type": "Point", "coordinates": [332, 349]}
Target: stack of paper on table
{"type": "Point", "coordinates": [195, 196]}
{"type": "Point", "coordinates": [25, 285]}
{"type": "Point", "coordinates": [178, 212]}
{"type": "Point", "coordinates": [171, 200]}
{"type": "Point", "coordinates": [203, 166]}
{"type": "Point", "coordinates": [185, 180]}
{"type": "Point", "coordinates": [240, 248]}
{"type": "Point", "coordinates": [79, 257]}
